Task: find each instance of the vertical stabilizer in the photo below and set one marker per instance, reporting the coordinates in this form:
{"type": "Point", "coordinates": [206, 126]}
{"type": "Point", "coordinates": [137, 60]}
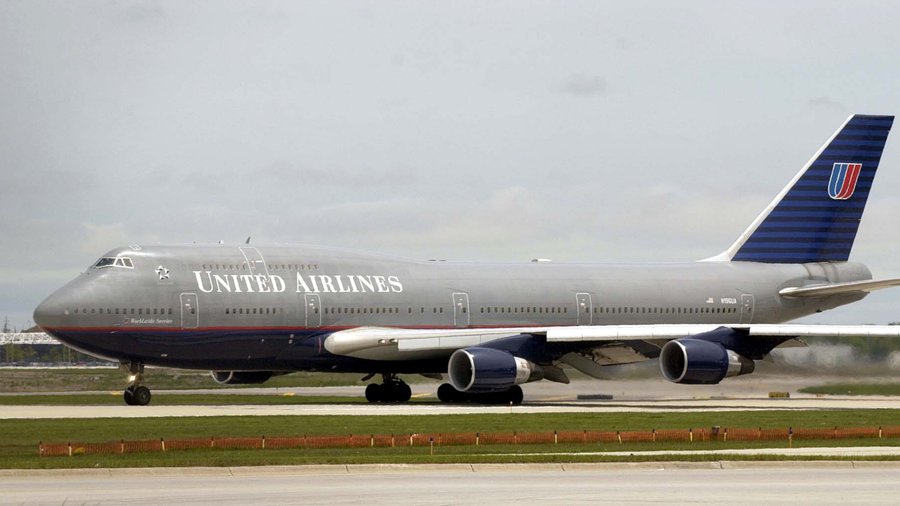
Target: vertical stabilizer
{"type": "Point", "coordinates": [816, 216]}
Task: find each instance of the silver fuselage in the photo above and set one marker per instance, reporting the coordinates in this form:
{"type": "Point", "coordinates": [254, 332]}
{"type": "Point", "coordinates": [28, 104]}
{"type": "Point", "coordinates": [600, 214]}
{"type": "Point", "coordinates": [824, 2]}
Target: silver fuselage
{"type": "Point", "coordinates": [271, 307]}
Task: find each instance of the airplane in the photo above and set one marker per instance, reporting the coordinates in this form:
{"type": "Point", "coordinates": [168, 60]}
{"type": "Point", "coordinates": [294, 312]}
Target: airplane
{"type": "Point", "coordinates": [247, 313]}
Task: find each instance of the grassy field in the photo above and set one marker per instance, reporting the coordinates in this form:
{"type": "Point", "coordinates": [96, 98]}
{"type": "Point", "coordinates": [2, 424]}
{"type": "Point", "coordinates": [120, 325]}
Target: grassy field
{"type": "Point", "coordinates": [854, 389]}
{"type": "Point", "coordinates": [19, 439]}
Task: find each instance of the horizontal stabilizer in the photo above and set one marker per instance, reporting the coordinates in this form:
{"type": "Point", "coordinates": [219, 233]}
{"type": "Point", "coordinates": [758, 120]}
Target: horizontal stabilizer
{"type": "Point", "coordinates": [838, 288]}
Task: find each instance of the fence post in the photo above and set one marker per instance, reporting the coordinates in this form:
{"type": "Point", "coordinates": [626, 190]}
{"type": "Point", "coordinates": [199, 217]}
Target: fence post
{"type": "Point", "coordinates": [477, 439]}
{"type": "Point", "coordinates": [70, 448]}
{"type": "Point", "coordinates": [691, 434]}
{"type": "Point", "coordinates": [410, 439]}
{"type": "Point", "coordinates": [759, 434]}
{"type": "Point", "coordinates": [515, 438]}
{"type": "Point", "coordinates": [584, 437]}
{"type": "Point", "coordinates": [264, 442]}
{"type": "Point", "coordinates": [653, 435]}
{"type": "Point", "coordinates": [790, 437]}
{"type": "Point", "coordinates": [725, 436]}
{"type": "Point", "coordinates": [122, 446]}
{"type": "Point", "coordinates": [41, 448]}
{"type": "Point", "coordinates": [431, 445]}
{"type": "Point", "coordinates": [162, 444]}
{"type": "Point", "coordinates": [372, 441]}
{"type": "Point", "coordinates": [619, 437]}
{"type": "Point", "coordinates": [555, 438]}
{"type": "Point", "coordinates": [879, 432]}
{"type": "Point", "coordinates": [212, 441]}
{"type": "Point", "coordinates": [392, 440]}
{"type": "Point", "coordinates": [835, 432]}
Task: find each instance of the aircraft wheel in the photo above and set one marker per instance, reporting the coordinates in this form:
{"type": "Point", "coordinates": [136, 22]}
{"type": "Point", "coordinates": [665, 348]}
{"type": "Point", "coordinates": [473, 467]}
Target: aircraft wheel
{"type": "Point", "coordinates": [403, 392]}
{"type": "Point", "coordinates": [141, 396]}
{"type": "Point", "coordinates": [129, 396]}
{"type": "Point", "coordinates": [515, 395]}
{"type": "Point", "coordinates": [373, 392]}
{"type": "Point", "coordinates": [446, 393]}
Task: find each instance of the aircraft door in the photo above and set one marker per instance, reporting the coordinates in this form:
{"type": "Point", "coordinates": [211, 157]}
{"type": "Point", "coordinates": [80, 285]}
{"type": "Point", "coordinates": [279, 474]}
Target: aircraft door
{"type": "Point", "coordinates": [584, 310]}
{"type": "Point", "coordinates": [190, 311]}
{"type": "Point", "coordinates": [461, 310]}
{"type": "Point", "coordinates": [255, 261]}
{"type": "Point", "coordinates": [747, 303]}
{"type": "Point", "coordinates": [313, 310]}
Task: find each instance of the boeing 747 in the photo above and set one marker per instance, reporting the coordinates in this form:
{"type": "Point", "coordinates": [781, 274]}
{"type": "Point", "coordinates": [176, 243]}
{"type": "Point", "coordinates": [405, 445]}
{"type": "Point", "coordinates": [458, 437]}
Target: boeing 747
{"type": "Point", "coordinates": [248, 313]}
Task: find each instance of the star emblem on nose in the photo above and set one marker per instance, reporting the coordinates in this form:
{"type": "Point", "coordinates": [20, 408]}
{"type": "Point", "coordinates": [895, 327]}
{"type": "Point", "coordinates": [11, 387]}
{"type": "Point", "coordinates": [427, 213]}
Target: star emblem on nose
{"type": "Point", "coordinates": [162, 272]}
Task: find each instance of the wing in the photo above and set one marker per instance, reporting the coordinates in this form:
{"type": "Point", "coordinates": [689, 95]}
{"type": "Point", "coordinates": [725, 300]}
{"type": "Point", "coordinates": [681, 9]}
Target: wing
{"type": "Point", "coordinates": [609, 344]}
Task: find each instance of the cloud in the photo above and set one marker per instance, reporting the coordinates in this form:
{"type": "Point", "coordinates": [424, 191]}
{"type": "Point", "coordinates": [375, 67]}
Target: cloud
{"type": "Point", "coordinates": [824, 102]}
{"type": "Point", "coordinates": [143, 12]}
{"type": "Point", "coordinates": [582, 85]}
{"type": "Point", "coordinates": [336, 176]}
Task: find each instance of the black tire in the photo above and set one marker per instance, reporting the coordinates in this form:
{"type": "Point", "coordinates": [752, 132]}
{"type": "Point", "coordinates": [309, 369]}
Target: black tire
{"type": "Point", "coordinates": [373, 392]}
{"type": "Point", "coordinates": [129, 396]}
{"type": "Point", "coordinates": [515, 395]}
{"type": "Point", "coordinates": [141, 396]}
{"type": "Point", "coordinates": [402, 392]}
{"type": "Point", "coordinates": [446, 393]}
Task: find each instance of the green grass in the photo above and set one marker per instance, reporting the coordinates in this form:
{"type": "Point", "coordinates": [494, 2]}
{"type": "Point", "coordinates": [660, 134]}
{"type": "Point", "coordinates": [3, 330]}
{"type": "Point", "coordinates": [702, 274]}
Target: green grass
{"type": "Point", "coordinates": [854, 389]}
{"type": "Point", "coordinates": [442, 455]}
{"type": "Point", "coordinates": [19, 438]}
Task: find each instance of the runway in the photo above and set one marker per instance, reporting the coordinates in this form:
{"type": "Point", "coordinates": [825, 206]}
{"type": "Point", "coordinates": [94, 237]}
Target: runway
{"type": "Point", "coordinates": [725, 482]}
{"type": "Point", "coordinates": [649, 396]}
{"type": "Point", "coordinates": [671, 405]}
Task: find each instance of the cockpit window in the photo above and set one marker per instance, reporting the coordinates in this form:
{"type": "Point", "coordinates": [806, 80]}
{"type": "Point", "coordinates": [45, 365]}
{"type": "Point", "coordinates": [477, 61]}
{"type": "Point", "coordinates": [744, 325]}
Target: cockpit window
{"type": "Point", "coordinates": [114, 262]}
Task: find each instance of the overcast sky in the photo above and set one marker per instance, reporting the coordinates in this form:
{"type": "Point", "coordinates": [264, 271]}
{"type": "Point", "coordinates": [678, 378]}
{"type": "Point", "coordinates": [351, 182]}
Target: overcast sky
{"type": "Point", "coordinates": [577, 131]}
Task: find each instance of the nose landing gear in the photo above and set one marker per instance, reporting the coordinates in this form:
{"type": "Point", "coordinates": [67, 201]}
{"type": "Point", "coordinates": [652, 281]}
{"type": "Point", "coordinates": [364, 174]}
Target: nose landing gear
{"type": "Point", "coordinates": [135, 393]}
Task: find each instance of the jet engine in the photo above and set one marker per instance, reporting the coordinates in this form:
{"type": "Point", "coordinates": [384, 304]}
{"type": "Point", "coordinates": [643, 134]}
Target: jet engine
{"type": "Point", "coordinates": [488, 370]}
{"type": "Point", "coordinates": [240, 377]}
{"type": "Point", "coordinates": [698, 362]}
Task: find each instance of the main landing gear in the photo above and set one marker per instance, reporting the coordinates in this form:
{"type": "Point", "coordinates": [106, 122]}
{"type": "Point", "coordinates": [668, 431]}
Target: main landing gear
{"type": "Point", "coordinates": [136, 394]}
{"type": "Point", "coordinates": [513, 395]}
{"type": "Point", "coordinates": [392, 390]}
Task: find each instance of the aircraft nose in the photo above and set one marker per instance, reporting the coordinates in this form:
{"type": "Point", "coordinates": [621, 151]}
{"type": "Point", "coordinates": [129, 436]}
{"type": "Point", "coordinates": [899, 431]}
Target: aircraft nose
{"type": "Point", "coordinates": [51, 312]}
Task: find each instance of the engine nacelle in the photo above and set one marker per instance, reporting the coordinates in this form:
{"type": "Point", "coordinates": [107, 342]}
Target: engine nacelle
{"type": "Point", "coordinates": [240, 377]}
{"type": "Point", "coordinates": [489, 370]}
{"type": "Point", "coordinates": [698, 362]}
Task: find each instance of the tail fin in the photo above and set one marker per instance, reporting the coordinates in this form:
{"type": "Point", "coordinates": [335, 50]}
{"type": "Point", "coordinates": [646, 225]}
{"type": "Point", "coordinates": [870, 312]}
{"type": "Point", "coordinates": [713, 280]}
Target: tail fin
{"type": "Point", "coordinates": [816, 216]}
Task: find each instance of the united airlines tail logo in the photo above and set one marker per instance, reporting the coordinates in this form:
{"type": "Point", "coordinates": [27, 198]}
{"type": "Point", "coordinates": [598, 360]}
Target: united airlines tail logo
{"type": "Point", "coordinates": [843, 180]}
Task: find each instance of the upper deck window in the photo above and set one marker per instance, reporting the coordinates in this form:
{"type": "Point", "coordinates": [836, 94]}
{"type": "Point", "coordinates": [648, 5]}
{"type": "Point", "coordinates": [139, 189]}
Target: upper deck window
{"type": "Point", "coordinates": [114, 262]}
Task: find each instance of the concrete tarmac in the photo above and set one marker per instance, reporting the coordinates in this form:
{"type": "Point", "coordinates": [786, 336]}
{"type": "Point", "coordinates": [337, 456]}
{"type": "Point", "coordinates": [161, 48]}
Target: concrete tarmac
{"type": "Point", "coordinates": [650, 406]}
{"type": "Point", "coordinates": [647, 395]}
{"type": "Point", "coordinates": [733, 483]}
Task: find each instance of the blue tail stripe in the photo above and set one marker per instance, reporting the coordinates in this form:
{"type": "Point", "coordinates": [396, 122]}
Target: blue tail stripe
{"type": "Point", "coordinates": [803, 235]}
{"type": "Point", "coordinates": [870, 145]}
{"type": "Point", "coordinates": [816, 220]}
